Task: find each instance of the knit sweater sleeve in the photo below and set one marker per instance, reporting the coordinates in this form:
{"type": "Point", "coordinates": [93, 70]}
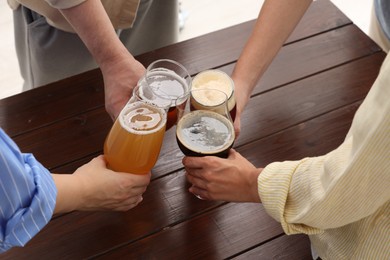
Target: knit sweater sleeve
{"type": "Point", "coordinates": [343, 186]}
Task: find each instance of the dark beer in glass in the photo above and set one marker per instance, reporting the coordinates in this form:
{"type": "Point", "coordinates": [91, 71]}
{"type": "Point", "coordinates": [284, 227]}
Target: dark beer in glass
{"type": "Point", "coordinates": [205, 133]}
{"type": "Point", "coordinates": [204, 127]}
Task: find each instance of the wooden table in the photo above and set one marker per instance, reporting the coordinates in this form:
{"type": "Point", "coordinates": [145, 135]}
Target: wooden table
{"type": "Point", "coordinates": [303, 106]}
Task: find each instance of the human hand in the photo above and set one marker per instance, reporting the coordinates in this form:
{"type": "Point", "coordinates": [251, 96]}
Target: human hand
{"type": "Point", "coordinates": [120, 77]}
{"type": "Point", "coordinates": [94, 187]}
{"type": "Point", "coordinates": [231, 179]}
{"type": "Point", "coordinates": [104, 189]}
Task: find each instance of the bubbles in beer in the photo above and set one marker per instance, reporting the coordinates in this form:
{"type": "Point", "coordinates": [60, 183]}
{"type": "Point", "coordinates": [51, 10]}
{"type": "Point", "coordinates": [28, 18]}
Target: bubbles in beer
{"type": "Point", "coordinates": [142, 118]}
{"type": "Point", "coordinates": [205, 132]}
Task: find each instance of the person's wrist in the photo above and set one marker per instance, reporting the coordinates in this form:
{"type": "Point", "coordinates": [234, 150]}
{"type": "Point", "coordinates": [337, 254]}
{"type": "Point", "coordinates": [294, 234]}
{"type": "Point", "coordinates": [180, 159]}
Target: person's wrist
{"type": "Point", "coordinates": [69, 197]}
{"type": "Point", "coordinates": [115, 59]}
{"type": "Point", "coordinates": [81, 191]}
{"type": "Point", "coordinates": [255, 191]}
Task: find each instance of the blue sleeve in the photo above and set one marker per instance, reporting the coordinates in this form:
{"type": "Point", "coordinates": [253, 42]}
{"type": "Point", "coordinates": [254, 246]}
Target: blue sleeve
{"type": "Point", "coordinates": [27, 195]}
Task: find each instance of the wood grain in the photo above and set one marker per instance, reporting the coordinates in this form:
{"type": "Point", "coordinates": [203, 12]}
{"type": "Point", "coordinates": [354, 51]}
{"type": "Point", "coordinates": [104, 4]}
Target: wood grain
{"type": "Point", "coordinates": [303, 106]}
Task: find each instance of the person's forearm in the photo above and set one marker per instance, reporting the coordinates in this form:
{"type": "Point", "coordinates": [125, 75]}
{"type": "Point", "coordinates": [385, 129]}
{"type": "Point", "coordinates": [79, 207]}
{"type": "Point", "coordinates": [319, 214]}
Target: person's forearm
{"type": "Point", "coordinates": [121, 71]}
{"type": "Point", "coordinates": [276, 21]}
{"type": "Point", "coordinates": [94, 27]}
{"type": "Point", "coordinates": [68, 193]}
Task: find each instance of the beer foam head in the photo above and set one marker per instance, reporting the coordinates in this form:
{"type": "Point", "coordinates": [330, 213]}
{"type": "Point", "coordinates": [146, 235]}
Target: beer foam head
{"type": "Point", "coordinates": [166, 84]}
{"type": "Point", "coordinates": [144, 92]}
{"type": "Point", "coordinates": [205, 132]}
{"type": "Point", "coordinates": [208, 97]}
{"type": "Point", "coordinates": [214, 79]}
{"type": "Point", "coordinates": [142, 118]}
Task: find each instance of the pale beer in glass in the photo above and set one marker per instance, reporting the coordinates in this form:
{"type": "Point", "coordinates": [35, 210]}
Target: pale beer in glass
{"type": "Point", "coordinates": [217, 79]}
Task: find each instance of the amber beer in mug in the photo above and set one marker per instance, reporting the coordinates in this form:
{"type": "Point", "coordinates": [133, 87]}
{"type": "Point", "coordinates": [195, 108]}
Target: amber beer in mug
{"type": "Point", "coordinates": [205, 126]}
{"type": "Point", "coordinates": [134, 141]}
{"type": "Point", "coordinates": [217, 79]}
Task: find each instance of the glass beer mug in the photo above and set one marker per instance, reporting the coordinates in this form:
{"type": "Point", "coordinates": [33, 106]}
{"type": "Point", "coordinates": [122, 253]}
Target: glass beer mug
{"type": "Point", "coordinates": [134, 141]}
{"type": "Point", "coordinates": [217, 79]}
{"type": "Point", "coordinates": [204, 124]}
{"type": "Point", "coordinates": [164, 81]}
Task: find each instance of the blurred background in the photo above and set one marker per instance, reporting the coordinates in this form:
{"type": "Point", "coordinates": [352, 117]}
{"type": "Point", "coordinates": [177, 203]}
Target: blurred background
{"type": "Point", "coordinates": [197, 17]}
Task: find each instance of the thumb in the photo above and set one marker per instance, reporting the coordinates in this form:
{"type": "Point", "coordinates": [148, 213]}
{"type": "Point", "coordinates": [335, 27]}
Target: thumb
{"type": "Point", "coordinates": [100, 161]}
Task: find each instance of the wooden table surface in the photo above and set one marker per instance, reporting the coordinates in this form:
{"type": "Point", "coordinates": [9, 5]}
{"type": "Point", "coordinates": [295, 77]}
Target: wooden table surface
{"type": "Point", "coordinates": [303, 106]}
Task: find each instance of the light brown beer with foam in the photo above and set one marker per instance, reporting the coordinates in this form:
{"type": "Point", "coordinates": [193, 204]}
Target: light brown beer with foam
{"type": "Point", "coordinates": [217, 79]}
{"type": "Point", "coordinates": [134, 142]}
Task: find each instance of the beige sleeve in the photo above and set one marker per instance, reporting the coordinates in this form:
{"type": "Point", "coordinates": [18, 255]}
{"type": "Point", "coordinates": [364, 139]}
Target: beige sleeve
{"type": "Point", "coordinates": [343, 186]}
{"type": "Point", "coordinates": [61, 4]}
{"type": "Point", "coordinates": [40, 4]}
{"type": "Point", "coordinates": [49, 9]}
{"type": "Point", "coordinates": [122, 13]}
{"type": "Point", "coordinates": [13, 4]}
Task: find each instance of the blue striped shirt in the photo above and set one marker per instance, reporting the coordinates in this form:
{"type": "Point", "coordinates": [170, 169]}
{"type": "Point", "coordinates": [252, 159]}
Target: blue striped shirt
{"type": "Point", "coordinates": [27, 195]}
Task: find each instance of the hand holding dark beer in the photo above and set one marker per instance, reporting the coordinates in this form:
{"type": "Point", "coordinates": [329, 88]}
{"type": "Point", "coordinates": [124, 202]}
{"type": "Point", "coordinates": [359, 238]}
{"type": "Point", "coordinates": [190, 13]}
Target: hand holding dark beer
{"type": "Point", "coordinates": [232, 179]}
